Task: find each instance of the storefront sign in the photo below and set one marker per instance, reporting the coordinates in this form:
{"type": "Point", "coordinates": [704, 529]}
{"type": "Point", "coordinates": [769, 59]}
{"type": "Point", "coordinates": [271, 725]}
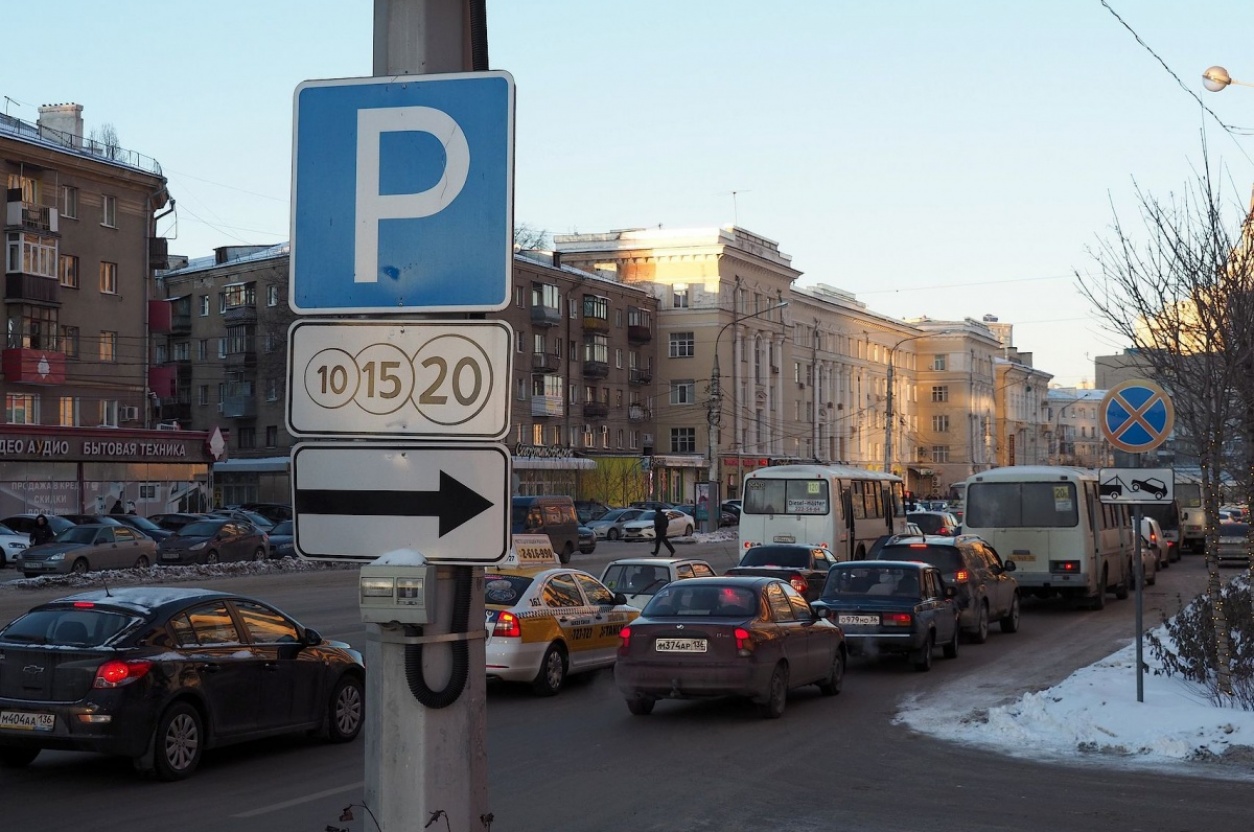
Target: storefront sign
{"type": "Point", "coordinates": [71, 445]}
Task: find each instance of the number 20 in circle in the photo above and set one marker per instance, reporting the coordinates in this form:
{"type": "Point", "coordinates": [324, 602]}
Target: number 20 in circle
{"type": "Point", "coordinates": [455, 379]}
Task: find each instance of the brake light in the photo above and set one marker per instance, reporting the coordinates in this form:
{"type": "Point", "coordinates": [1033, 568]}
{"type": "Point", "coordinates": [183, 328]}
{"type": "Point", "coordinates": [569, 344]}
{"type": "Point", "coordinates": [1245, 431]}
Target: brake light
{"type": "Point", "coordinates": [749, 544]}
{"type": "Point", "coordinates": [1064, 566]}
{"type": "Point", "coordinates": [918, 545]}
{"type": "Point", "coordinates": [896, 619]}
{"type": "Point", "coordinates": [117, 673]}
{"type": "Point", "coordinates": [624, 641]}
{"type": "Point", "coordinates": [962, 576]}
{"type": "Point", "coordinates": [83, 605]}
{"type": "Point", "coordinates": [744, 641]}
{"type": "Point", "coordinates": [507, 626]}
{"type": "Point", "coordinates": [799, 583]}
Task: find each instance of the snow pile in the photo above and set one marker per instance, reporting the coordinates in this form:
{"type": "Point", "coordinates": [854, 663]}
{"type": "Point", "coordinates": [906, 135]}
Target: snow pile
{"type": "Point", "coordinates": [175, 574]}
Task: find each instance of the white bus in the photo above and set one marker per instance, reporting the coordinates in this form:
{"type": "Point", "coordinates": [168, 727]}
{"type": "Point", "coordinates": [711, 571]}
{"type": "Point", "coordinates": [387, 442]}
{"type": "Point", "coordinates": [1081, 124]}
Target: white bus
{"type": "Point", "coordinates": [1049, 521]}
{"type": "Point", "coordinates": [842, 508]}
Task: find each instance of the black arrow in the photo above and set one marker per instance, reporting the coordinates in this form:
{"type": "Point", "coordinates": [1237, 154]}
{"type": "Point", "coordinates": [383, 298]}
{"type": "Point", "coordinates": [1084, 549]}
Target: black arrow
{"type": "Point", "coordinates": [452, 502]}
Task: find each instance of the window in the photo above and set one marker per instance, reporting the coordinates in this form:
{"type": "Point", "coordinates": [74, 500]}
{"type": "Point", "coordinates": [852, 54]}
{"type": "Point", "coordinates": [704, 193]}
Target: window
{"type": "Point", "coordinates": [69, 202]}
{"type": "Point", "coordinates": [681, 295]}
{"type": "Point", "coordinates": [239, 340]}
{"type": "Point", "coordinates": [939, 362]}
{"type": "Point", "coordinates": [618, 358]}
{"type": "Point", "coordinates": [940, 424]}
{"type": "Point", "coordinates": [108, 346]}
{"type": "Point", "coordinates": [108, 278]}
{"type": "Point", "coordinates": [537, 343]}
{"type": "Point", "coordinates": [595, 307]}
{"type": "Point", "coordinates": [272, 295]}
{"type": "Point", "coordinates": [221, 348]}
{"type": "Point", "coordinates": [221, 303]}
{"type": "Point", "coordinates": [180, 351]}
{"type": "Point", "coordinates": [68, 412]}
{"type": "Point", "coordinates": [247, 438]}
{"type": "Point", "coordinates": [520, 341]}
{"type": "Point", "coordinates": [520, 388]}
{"type": "Point", "coordinates": [940, 393]}
{"type": "Point", "coordinates": [605, 436]}
{"type": "Point", "coordinates": [67, 271]}
{"type": "Point", "coordinates": [519, 299]}
{"type": "Point", "coordinates": [682, 345]}
{"type": "Point", "coordinates": [683, 392]}
{"type": "Point", "coordinates": [596, 348]}
{"type": "Point", "coordinates": [21, 409]}
{"type": "Point", "coordinates": [204, 306]}
{"type": "Point", "coordinates": [683, 440]}
{"type": "Point", "coordinates": [542, 294]}
{"type": "Point", "coordinates": [241, 294]}
{"type": "Point", "coordinates": [108, 413]}
{"type": "Point", "coordinates": [109, 211]}
{"type": "Point", "coordinates": [202, 394]}
{"type": "Point", "coordinates": [35, 329]}
{"type": "Point", "coordinates": [202, 349]}
{"type": "Point", "coordinates": [69, 341]}
{"type": "Point", "coordinates": [272, 389]}
{"type": "Point", "coordinates": [32, 254]}
{"type": "Point", "coordinates": [940, 453]}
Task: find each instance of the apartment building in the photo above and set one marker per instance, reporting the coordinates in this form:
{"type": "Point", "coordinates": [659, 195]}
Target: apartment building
{"type": "Point", "coordinates": [1073, 416]}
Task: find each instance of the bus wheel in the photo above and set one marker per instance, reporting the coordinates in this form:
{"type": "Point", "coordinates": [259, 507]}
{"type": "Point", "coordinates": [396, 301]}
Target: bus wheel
{"type": "Point", "coordinates": [1098, 601]}
{"type": "Point", "coordinates": [1121, 589]}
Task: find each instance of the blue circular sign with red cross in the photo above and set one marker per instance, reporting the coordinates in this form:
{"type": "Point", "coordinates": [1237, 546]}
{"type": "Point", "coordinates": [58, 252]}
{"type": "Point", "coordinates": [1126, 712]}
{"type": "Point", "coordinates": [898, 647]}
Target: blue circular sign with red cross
{"type": "Point", "coordinates": [1137, 416]}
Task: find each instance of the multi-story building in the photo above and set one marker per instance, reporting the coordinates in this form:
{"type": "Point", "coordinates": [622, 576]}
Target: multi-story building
{"type": "Point", "coordinates": [1020, 400]}
{"type": "Point", "coordinates": [582, 383]}
{"type": "Point", "coordinates": [80, 245]}
{"type": "Point", "coordinates": [1073, 417]}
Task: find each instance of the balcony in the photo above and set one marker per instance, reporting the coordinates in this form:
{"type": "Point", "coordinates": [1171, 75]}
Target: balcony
{"type": "Point", "coordinates": [592, 323]}
{"type": "Point", "coordinates": [243, 406]}
{"type": "Point", "coordinates": [639, 333]}
{"type": "Point", "coordinates": [31, 287]}
{"type": "Point", "coordinates": [639, 375]}
{"type": "Point", "coordinates": [596, 369]}
{"type": "Point", "coordinates": [172, 409]}
{"type": "Point", "coordinates": [595, 410]}
{"type": "Point", "coordinates": [242, 314]}
{"type": "Point", "coordinates": [547, 406]}
{"type": "Point", "coordinates": [28, 216]}
{"type": "Point", "coordinates": [23, 365]}
{"type": "Point", "coordinates": [546, 316]}
{"type": "Point", "coordinates": [639, 413]}
{"type": "Point", "coordinates": [246, 357]}
{"type": "Point", "coordinates": [543, 362]}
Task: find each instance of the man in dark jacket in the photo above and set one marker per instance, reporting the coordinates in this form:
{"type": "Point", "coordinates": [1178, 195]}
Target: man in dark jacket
{"type": "Point", "coordinates": [661, 525]}
{"type": "Point", "coordinates": [42, 533]}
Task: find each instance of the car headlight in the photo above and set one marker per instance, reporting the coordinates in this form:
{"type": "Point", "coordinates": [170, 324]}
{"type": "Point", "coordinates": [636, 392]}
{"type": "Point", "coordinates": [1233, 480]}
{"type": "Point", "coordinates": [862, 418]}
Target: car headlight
{"type": "Point", "coordinates": [197, 547]}
{"type": "Point", "coordinates": [57, 556]}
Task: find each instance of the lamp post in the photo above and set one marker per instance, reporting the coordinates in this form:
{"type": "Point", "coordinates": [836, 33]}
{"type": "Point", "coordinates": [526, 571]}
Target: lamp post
{"type": "Point", "coordinates": [1216, 79]}
{"type": "Point", "coordinates": [715, 409]}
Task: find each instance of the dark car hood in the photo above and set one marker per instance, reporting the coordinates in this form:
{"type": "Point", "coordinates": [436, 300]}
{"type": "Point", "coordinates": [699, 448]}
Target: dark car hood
{"type": "Point", "coordinates": [43, 550]}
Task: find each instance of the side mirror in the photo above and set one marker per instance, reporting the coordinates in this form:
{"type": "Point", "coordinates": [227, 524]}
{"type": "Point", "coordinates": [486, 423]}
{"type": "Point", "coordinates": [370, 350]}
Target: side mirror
{"type": "Point", "coordinates": [620, 599]}
{"type": "Point", "coordinates": [1009, 566]}
{"type": "Point", "coordinates": [821, 612]}
{"type": "Point", "coordinates": [312, 637]}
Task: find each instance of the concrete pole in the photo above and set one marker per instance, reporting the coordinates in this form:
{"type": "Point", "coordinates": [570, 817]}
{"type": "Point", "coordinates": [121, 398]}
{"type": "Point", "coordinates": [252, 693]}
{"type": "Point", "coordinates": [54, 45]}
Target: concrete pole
{"type": "Point", "coordinates": [425, 764]}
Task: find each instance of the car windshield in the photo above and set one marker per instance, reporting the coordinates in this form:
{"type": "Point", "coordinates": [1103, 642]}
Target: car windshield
{"type": "Point", "coordinates": [284, 527]}
{"type": "Point", "coordinates": [636, 578]}
{"type": "Point", "coordinates": [682, 599]}
{"type": "Point", "coordinates": [945, 558]}
{"type": "Point", "coordinates": [845, 582]}
{"type": "Point", "coordinates": [201, 528]}
{"type": "Point", "coordinates": [69, 627]}
{"type": "Point", "coordinates": [77, 534]}
{"type": "Point", "coordinates": [794, 556]}
{"type": "Point", "coordinates": [504, 590]}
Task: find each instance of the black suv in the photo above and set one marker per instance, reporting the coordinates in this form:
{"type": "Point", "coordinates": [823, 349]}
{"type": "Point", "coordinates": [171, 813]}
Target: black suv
{"type": "Point", "coordinates": [985, 589]}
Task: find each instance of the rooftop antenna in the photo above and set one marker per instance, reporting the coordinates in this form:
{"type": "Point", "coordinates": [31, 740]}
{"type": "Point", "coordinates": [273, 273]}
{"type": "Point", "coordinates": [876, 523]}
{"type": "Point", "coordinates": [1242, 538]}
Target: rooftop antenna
{"type": "Point", "coordinates": [736, 207]}
{"type": "Point", "coordinates": [7, 102]}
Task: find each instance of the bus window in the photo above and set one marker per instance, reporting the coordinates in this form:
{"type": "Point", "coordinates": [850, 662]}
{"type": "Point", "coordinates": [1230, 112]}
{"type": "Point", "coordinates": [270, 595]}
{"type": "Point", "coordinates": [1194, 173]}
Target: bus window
{"type": "Point", "coordinates": [771, 496]}
{"type": "Point", "coordinates": [992, 505]}
{"type": "Point", "coordinates": [859, 506]}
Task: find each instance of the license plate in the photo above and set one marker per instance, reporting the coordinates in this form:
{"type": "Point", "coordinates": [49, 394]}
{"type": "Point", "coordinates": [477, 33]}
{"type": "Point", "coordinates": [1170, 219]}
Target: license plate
{"type": "Point", "coordinates": [680, 645]}
{"type": "Point", "coordinates": [784, 538]}
{"type": "Point", "coordinates": [857, 619]}
{"type": "Point", "coordinates": [1022, 556]}
{"type": "Point", "coordinates": [24, 721]}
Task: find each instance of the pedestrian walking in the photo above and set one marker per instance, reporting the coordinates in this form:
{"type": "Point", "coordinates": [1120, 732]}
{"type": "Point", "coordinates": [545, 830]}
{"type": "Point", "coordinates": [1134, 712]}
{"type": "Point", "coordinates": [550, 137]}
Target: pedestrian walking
{"type": "Point", "coordinates": [661, 525]}
{"type": "Point", "coordinates": [118, 508]}
{"type": "Point", "coordinates": [42, 533]}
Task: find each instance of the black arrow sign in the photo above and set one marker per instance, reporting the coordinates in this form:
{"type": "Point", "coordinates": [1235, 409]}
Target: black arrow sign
{"type": "Point", "coordinates": [452, 502]}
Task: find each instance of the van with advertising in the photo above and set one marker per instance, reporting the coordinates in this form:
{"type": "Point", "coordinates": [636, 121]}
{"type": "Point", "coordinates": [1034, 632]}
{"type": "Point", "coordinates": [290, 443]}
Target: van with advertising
{"type": "Point", "coordinates": [553, 515]}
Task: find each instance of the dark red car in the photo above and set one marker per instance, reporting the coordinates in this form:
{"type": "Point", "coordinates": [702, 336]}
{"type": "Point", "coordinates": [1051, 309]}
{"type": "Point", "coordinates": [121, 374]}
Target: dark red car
{"type": "Point", "coordinates": [732, 636]}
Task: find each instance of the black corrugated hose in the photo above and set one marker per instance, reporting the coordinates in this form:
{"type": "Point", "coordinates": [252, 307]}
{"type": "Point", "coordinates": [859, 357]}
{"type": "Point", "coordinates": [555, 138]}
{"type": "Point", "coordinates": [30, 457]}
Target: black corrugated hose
{"type": "Point", "coordinates": [462, 584]}
{"type": "Point", "coordinates": [479, 35]}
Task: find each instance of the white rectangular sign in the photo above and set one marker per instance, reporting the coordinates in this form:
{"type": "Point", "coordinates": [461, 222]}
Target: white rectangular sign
{"type": "Point", "coordinates": [392, 378]}
{"type": "Point", "coordinates": [1136, 485]}
{"type": "Point", "coordinates": [355, 501]}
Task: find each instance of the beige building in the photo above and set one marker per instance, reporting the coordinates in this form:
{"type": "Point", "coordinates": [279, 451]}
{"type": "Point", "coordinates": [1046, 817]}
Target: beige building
{"type": "Point", "coordinates": [1074, 428]}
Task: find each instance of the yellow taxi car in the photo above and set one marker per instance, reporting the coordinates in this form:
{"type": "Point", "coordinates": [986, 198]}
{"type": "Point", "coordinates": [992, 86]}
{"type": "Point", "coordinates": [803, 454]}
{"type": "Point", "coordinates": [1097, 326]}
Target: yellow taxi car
{"type": "Point", "coordinates": [545, 620]}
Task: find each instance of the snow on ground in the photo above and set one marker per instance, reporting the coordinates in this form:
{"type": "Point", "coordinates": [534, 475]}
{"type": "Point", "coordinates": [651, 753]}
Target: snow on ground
{"type": "Point", "coordinates": [1095, 712]}
{"type": "Point", "coordinates": [173, 574]}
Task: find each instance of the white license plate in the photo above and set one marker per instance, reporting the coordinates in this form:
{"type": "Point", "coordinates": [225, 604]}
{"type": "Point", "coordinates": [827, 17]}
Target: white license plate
{"type": "Point", "coordinates": [24, 721]}
{"type": "Point", "coordinates": [784, 538]}
{"type": "Point", "coordinates": [680, 645]}
{"type": "Point", "coordinates": [857, 619]}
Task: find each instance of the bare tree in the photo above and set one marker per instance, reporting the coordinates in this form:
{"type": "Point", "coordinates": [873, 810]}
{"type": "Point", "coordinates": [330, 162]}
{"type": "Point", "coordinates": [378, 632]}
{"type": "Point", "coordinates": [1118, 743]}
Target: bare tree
{"type": "Point", "coordinates": [1184, 300]}
{"type": "Point", "coordinates": [530, 238]}
{"type": "Point", "coordinates": [106, 137]}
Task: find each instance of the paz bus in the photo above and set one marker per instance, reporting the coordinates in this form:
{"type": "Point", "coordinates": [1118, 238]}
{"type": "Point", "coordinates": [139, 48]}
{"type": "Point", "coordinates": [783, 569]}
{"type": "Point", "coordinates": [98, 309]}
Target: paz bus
{"type": "Point", "coordinates": [839, 507]}
{"type": "Point", "coordinates": [1050, 521]}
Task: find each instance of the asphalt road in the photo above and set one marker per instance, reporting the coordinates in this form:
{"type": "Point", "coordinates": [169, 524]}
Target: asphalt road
{"type": "Point", "coordinates": [579, 761]}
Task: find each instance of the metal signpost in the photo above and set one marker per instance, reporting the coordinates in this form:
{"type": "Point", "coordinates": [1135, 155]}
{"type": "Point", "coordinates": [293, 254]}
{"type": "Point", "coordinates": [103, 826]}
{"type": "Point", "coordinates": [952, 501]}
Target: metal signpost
{"type": "Point", "coordinates": [1137, 416]}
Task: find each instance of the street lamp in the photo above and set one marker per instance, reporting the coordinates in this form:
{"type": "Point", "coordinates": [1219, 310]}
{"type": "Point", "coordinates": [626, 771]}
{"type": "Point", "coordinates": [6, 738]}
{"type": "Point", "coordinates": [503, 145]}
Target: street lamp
{"type": "Point", "coordinates": [715, 406]}
{"type": "Point", "coordinates": [1216, 78]}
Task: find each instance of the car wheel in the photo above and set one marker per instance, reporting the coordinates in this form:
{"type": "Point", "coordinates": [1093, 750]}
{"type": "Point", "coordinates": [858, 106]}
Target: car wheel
{"type": "Point", "coordinates": [211, 556]}
{"type": "Point", "coordinates": [641, 705]}
{"type": "Point", "coordinates": [835, 676]}
{"type": "Point", "coordinates": [688, 531]}
{"type": "Point", "coordinates": [141, 562]}
{"type": "Point", "coordinates": [923, 658]}
{"type": "Point", "coordinates": [772, 706]}
{"type": "Point", "coordinates": [613, 534]}
{"type": "Point", "coordinates": [1010, 623]}
{"type": "Point", "coordinates": [180, 742]}
{"type": "Point", "coordinates": [259, 553]}
{"type": "Point", "coordinates": [346, 710]}
{"type": "Point", "coordinates": [951, 649]}
{"type": "Point", "coordinates": [80, 567]}
{"type": "Point", "coordinates": [980, 634]}
{"type": "Point", "coordinates": [552, 673]}
{"type": "Point", "coordinates": [15, 757]}
{"type": "Point", "coordinates": [1121, 591]}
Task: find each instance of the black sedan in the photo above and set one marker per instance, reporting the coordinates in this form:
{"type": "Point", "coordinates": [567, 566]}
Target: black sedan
{"type": "Point", "coordinates": [887, 606]}
{"type": "Point", "coordinates": [159, 674]}
{"type": "Point", "coordinates": [214, 540]}
{"type": "Point", "coordinates": [749, 636]}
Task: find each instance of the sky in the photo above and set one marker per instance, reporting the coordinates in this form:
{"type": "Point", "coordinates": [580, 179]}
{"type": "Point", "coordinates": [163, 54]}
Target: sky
{"type": "Point", "coordinates": [941, 159]}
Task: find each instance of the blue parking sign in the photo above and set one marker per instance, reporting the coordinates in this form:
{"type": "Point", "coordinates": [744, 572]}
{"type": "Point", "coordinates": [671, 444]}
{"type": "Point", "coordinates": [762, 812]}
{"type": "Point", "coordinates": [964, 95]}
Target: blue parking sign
{"type": "Point", "coordinates": [402, 194]}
